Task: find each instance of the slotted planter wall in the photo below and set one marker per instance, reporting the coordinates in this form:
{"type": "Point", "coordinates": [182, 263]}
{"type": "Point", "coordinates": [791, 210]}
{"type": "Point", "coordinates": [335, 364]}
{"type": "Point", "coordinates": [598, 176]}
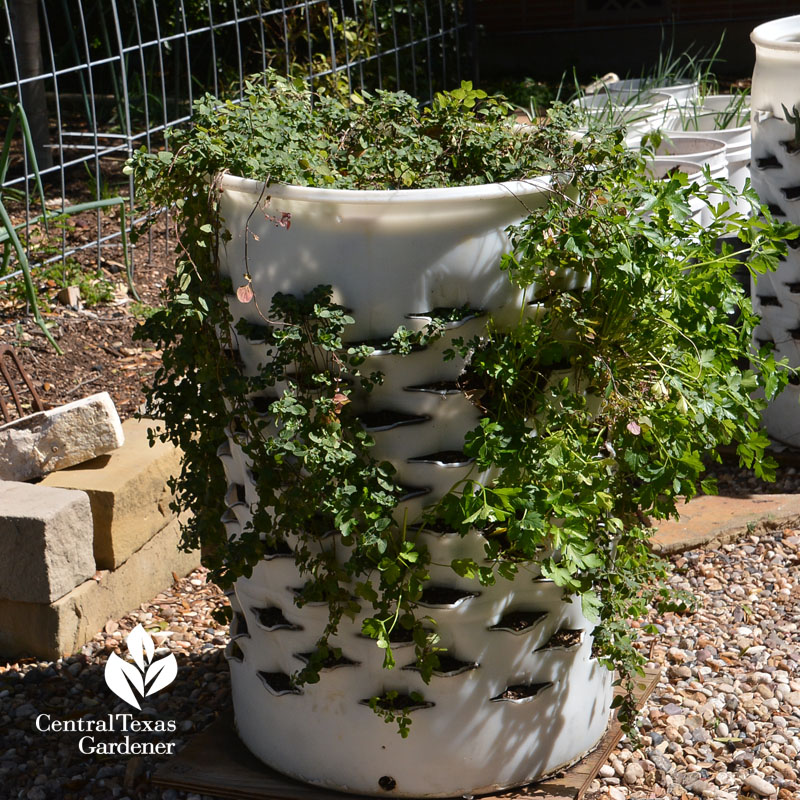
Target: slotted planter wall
{"type": "Point", "coordinates": [775, 173]}
{"type": "Point", "coordinates": [519, 694]}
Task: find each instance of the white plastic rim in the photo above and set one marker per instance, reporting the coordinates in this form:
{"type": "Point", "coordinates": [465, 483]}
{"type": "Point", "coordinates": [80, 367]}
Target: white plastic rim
{"type": "Point", "coordinates": [661, 167]}
{"type": "Point", "coordinates": [451, 195]}
{"type": "Point", "coordinates": [777, 46]}
{"type": "Point", "coordinates": [639, 118]}
{"type": "Point", "coordinates": [621, 106]}
{"type": "Point", "coordinates": [699, 150]}
{"type": "Point", "coordinates": [682, 91]}
{"type": "Point", "coordinates": [386, 253]}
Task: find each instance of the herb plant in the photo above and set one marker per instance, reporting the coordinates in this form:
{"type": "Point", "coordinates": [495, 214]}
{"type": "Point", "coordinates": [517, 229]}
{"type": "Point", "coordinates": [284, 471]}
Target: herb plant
{"type": "Point", "coordinates": [598, 407]}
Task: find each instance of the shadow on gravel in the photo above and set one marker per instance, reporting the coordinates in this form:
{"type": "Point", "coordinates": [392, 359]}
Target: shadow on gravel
{"type": "Point", "coordinates": [64, 735]}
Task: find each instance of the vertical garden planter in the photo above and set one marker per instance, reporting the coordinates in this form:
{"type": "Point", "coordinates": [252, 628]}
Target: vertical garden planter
{"type": "Point", "coordinates": [775, 171]}
{"type": "Point", "coordinates": [518, 694]}
{"type": "Point", "coordinates": [458, 544]}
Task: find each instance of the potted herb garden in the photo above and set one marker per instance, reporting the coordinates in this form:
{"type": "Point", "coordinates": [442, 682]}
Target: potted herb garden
{"type": "Point", "coordinates": [431, 374]}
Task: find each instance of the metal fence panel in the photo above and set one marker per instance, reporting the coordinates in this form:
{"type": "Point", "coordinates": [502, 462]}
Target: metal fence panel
{"type": "Point", "coordinates": [100, 78]}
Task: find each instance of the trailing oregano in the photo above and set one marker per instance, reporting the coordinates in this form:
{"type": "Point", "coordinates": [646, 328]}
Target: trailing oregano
{"type": "Point", "coordinates": [598, 407]}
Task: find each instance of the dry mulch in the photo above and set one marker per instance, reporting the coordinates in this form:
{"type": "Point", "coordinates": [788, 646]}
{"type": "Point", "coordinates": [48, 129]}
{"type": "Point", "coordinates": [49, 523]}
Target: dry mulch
{"type": "Point", "coordinates": [99, 351]}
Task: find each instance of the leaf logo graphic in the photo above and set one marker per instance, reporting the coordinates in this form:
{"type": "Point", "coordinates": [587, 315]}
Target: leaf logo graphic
{"type": "Point", "coordinates": [144, 677]}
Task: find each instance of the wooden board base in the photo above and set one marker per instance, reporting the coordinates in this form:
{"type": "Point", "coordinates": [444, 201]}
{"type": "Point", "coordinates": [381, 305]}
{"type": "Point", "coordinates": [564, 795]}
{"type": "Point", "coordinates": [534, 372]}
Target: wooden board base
{"type": "Point", "coordinates": [215, 762]}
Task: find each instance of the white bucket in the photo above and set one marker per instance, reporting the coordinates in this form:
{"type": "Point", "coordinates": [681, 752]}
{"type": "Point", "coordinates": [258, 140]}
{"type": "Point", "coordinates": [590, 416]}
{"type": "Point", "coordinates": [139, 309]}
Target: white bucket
{"type": "Point", "coordinates": [661, 167]}
{"type": "Point", "coordinates": [684, 91]}
{"type": "Point", "coordinates": [642, 113]}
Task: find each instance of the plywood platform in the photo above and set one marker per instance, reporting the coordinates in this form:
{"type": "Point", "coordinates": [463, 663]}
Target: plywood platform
{"type": "Point", "coordinates": [215, 762]}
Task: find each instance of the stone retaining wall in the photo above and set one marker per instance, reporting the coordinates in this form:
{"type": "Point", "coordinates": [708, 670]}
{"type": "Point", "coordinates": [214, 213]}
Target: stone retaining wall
{"type": "Point", "coordinates": [85, 545]}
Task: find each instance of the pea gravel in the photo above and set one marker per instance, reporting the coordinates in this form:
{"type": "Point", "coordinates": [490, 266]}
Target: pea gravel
{"type": "Point", "coordinates": [723, 722]}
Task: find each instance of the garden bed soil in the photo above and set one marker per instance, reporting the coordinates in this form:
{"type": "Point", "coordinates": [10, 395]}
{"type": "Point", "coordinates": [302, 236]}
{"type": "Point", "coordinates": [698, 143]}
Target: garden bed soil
{"type": "Point", "coordinates": [100, 353]}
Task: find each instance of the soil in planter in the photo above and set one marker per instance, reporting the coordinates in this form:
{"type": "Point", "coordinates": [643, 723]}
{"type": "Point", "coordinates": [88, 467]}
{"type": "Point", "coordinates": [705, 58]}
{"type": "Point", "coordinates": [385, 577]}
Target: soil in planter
{"type": "Point", "coordinates": [522, 691]}
{"type": "Point", "coordinates": [563, 638]}
{"type": "Point", "coordinates": [279, 682]}
{"type": "Point", "coordinates": [518, 621]}
{"type": "Point", "coordinates": [278, 550]}
{"type": "Point", "coordinates": [400, 702]}
{"type": "Point", "coordinates": [444, 596]}
{"type": "Point", "coordinates": [272, 618]}
{"type": "Point", "coordinates": [331, 662]}
{"type": "Point", "coordinates": [449, 666]}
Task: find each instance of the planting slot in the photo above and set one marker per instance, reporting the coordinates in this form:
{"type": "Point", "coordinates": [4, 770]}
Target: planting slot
{"type": "Point", "coordinates": [445, 596]}
{"type": "Point", "coordinates": [449, 666]}
{"type": "Point", "coordinates": [261, 404]}
{"type": "Point", "coordinates": [765, 342]}
{"type": "Point", "coordinates": [234, 495]}
{"type": "Point", "coordinates": [564, 639]}
{"type": "Point", "coordinates": [257, 334]}
{"type": "Point", "coordinates": [331, 662]}
{"type": "Point", "coordinates": [228, 516]}
{"type": "Point", "coordinates": [442, 388]}
{"type": "Point", "coordinates": [444, 458]}
{"type": "Point", "coordinates": [410, 492]}
{"type": "Point", "coordinates": [768, 162]}
{"type": "Point", "coordinates": [232, 355]}
{"type": "Point", "coordinates": [521, 692]}
{"type": "Point", "coordinates": [224, 450]}
{"type": "Point", "coordinates": [768, 300]}
{"type": "Point", "coordinates": [234, 653]}
{"type": "Point", "coordinates": [436, 526]}
{"type": "Point", "coordinates": [775, 210]}
{"type": "Point", "coordinates": [451, 317]}
{"type": "Point", "coordinates": [398, 636]}
{"type": "Point", "coordinates": [791, 192]}
{"type": "Point", "coordinates": [794, 333]}
{"type": "Point", "coordinates": [239, 626]}
{"type": "Point", "coordinates": [394, 701]}
{"type": "Point", "coordinates": [519, 621]}
{"type": "Point", "coordinates": [793, 244]}
{"type": "Point", "coordinates": [278, 550]}
{"type": "Point", "coordinates": [794, 378]}
{"type": "Point", "coordinates": [278, 683]}
{"type": "Point", "coordinates": [272, 619]}
{"type": "Point", "coordinates": [794, 288]}
{"type": "Point", "coordinates": [376, 421]}
{"type": "Point", "coordinates": [385, 347]}
{"type": "Point", "coordinates": [297, 591]}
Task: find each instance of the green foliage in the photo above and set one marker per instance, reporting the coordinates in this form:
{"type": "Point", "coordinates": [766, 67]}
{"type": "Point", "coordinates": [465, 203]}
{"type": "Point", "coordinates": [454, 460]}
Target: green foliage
{"type": "Point", "coordinates": [598, 407]}
{"type": "Point", "coordinates": [381, 141]}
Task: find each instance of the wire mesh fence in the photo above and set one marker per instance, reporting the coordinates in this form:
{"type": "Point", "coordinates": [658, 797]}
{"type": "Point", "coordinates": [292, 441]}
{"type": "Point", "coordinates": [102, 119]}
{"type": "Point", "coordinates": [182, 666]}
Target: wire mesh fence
{"type": "Point", "coordinates": [97, 79]}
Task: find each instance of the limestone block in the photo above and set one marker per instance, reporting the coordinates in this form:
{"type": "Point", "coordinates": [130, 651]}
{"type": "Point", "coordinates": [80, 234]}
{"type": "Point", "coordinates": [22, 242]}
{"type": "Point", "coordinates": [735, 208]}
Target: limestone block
{"type": "Point", "coordinates": [128, 491]}
{"type": "Point", "coordinates": [62, 628]}
{"type": "Point", "coordinates": [40, 443]}
{"type": "Point", "coordinates": [45, 542]}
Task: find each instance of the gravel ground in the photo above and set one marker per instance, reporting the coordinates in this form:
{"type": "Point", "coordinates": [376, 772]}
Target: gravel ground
{"type": "Point", "coordinates": [724, 721]}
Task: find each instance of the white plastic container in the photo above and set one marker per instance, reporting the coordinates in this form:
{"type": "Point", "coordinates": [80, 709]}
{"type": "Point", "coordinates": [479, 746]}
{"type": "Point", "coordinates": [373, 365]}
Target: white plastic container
{"type": "Point", "coordinates": [775, 173]}
{"type": "Point", "coordinates": [512, 705]}
{"type": "Point", "coordinates": [685, 91]}
{"type": "Point", "coordinates": [662, 166]}
{"type": "Point", "coordinates": [713, 118]}
{"type": "Point", "coordinates": [640, 112]}
{"type": "Point", "coordinates": [519, 695]}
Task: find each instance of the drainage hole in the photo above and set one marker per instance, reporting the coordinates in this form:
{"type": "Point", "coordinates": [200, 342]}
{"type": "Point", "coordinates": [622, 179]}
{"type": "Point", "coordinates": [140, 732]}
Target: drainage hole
{"type": "Point", "coordinates": [387, 783]}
